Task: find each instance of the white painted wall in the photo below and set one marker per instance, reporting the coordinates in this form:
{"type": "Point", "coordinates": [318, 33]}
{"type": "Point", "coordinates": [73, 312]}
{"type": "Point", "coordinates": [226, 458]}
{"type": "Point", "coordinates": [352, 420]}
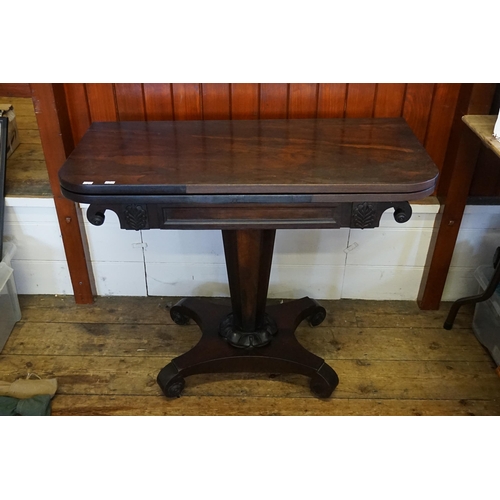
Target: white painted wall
{"type": "Point", "coordinates": [382, 263]}
{"type": "Point", "coordinates": [39, 262]}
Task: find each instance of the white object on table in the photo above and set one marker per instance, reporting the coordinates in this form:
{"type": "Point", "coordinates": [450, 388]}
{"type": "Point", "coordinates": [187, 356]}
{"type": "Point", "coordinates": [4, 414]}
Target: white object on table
{"type": "Point", "coordinates": [496, 128]}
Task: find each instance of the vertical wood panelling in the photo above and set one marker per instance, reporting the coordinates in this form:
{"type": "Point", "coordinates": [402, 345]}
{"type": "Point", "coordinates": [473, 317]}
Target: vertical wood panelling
{"type": "Point", "coordinates": [15, 90]}
{"type": "Point", "coordinates": [482, 98]}
{"type": "Point", "coordinates": [303, 100]}
{"type": "Point", "coordinates": [158, 101]}
{"type": "Point", "coordinates": [417, 107]}
{"type": "Point", "coordinates": [473, 99]}
{"type": "Point", "coordinates": [187, 101]}
{"type": "Point", "coordinates": [101, 98]}
{"type": "Point", "coordinates": [360, 100]}
{"type": "Point", "coordinates": [79, 115]}
{"type": "Point", "coordinates": [486, 180]}
{"type": "Point", "coordinates": [130, 101]}
{"type": "Point", "coordinates": [331, 100]}
{"type": "Point", "coordinates": [440, 120]}
{"type": "Point", "coordinates": [244, 101]}
{"type": "Point", "coordinates": [216, 102]}
{"type": "Point", "coordinates": [273, 100]}
{"type": "Point", "coordinates": [64, 122]}
{"type": "Point", "coordinates": [389, 100]}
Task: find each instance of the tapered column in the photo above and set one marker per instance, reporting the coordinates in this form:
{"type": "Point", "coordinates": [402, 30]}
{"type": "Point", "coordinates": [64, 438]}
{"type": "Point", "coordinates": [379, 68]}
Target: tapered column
{"type": "Point", "coordinates": [249, 255]}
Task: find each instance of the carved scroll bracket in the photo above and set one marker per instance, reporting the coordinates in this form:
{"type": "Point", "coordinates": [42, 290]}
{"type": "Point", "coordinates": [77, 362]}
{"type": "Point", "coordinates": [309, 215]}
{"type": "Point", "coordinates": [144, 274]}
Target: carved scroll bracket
{"type": "Point", "coordinates": [95, 215]}
{"type": "Point", "coordinates": [367, 215]}
{"type": "Point", "coordinates": [131, 216]}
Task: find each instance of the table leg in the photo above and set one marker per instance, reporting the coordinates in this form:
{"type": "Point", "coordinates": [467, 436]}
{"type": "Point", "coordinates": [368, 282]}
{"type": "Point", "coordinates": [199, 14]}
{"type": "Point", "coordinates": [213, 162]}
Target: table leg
{"type": "Point", "coordinates": [248, 336]}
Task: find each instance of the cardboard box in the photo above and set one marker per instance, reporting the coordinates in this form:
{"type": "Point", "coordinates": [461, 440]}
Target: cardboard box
{"type": "Point", "coordinates": [13, 133]}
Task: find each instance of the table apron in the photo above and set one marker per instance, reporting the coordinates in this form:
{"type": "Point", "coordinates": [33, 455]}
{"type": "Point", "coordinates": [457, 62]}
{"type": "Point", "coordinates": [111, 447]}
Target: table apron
{"type": "Point", "coordinates": [140, 216]}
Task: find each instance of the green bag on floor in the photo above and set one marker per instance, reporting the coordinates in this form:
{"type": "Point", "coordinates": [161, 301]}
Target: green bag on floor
{"type": "Point", "coordinates": [36, 406]}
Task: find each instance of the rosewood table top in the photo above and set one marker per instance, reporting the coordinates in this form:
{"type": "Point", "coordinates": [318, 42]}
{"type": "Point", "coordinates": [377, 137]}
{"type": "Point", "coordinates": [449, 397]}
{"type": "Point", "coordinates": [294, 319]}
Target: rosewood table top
{"type": "Point", "coordinates": [335, 157]}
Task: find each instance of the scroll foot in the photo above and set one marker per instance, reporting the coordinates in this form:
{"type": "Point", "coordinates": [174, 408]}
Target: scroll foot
{"type": "Point", "coordinates": [178, 317]}
{"type": "Point", "coordinates": [317, 316]}
{"type": "Point", "coordinates": [170, 382]}
{"type": "Point", "coordinates": [324, 381]}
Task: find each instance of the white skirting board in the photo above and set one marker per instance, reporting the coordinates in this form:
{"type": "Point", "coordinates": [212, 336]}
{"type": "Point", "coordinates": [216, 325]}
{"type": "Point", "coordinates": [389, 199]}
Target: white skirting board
{"type": "Point", "coordinates": [384, 263]}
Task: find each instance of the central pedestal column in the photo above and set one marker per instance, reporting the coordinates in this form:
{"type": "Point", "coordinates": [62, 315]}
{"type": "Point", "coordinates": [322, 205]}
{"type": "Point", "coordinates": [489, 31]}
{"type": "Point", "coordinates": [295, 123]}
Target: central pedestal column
{"type": "Point", "coordinates": [249, 254]}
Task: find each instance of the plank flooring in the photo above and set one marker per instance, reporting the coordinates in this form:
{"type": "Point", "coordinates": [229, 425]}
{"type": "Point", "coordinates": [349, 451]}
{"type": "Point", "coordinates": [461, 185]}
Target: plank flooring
{"type": "Point", "coordinates": [26, 168]}
{"type": "Point", "coordinates": [391, 357]}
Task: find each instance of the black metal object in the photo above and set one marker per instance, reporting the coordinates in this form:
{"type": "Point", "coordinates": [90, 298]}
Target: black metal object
{"type": "Point", "coordinates": [4, 121]}
{"type": "Point", "coordinates": [474, 299]}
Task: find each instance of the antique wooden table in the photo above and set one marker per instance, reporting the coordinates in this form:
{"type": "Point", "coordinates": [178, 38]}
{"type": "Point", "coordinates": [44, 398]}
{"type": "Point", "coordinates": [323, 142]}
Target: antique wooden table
{"type": "Point", "coordinates": [248, 178]}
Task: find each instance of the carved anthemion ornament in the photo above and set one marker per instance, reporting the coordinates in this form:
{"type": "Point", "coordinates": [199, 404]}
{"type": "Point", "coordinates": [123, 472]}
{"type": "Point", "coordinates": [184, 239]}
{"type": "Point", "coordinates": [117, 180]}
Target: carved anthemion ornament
{"type": "Point", "coordinates": [364, 215]}
{"type": "Point", "coordinates": [136, 216]}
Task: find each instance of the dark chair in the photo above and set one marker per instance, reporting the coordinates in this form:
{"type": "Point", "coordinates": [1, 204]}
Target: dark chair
{"type": "Point", "coordinates": [474, 299]}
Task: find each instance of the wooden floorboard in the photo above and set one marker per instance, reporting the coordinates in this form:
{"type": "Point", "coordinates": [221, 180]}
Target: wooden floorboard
{"type": "Point", "coordinates": [242, 406]}
{"type": "Point", "coordinates": [391, 358]}
{"type": "Point", "coordinates": [26, 173]}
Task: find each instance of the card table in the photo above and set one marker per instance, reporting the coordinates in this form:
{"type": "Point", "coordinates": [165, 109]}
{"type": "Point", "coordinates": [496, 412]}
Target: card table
{"type": "Point", "coordinates": [248, 178]}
